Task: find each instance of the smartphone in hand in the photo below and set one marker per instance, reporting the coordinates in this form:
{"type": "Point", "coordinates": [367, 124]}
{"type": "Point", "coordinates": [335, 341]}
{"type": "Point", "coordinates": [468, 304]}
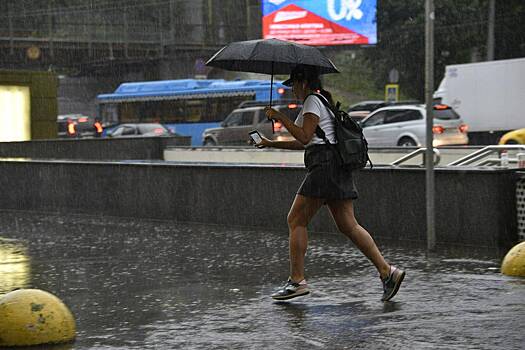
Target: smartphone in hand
{"type": "Point", "coordinates": [256, 137]}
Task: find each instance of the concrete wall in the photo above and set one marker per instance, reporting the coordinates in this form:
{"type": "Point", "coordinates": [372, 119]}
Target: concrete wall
{"type": "Point", "coordinates": [100, 149]}
{"type": "Point", "coordinates": [473, 207]}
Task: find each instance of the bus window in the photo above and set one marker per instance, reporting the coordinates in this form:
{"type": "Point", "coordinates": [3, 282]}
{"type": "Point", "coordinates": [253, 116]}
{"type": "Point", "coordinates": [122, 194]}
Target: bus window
{"type": "Point", "coordinates": [173, 111]}
{"type": "Point", "coordinates": [170, 111]}
{"type": "Point", "coordinates": [109, 113]}
{"type": "Point", "coordinates": [216, 109]}
{"type": "Point", "coordinates": [194, 109]}
{"type": "Point", "coordinates": [129, 112]}
{"type": "Point", "coordinates": [150, 112]}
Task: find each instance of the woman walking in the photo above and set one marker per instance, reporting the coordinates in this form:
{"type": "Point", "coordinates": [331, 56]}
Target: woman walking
{"type": "Point", "coordinates": [326, 182]}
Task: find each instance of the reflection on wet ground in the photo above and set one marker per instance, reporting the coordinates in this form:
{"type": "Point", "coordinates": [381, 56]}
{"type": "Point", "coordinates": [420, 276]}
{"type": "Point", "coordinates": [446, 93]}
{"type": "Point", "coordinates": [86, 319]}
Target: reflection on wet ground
{"type": "Point", "coordinates": [14, 265]}
{"type": "Point", "coordinates": [163, 285]}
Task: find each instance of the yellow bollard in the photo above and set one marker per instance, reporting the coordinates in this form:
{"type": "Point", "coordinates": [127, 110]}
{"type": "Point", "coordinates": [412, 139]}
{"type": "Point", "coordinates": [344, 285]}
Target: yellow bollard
{"type": "Point", "coordinates": [514, 262]}
{"type": "Point", "coordinates": [34, 317]}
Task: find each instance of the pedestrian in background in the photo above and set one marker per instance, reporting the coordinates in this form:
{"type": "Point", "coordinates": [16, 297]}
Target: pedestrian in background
{"type": "Point", "coordinates": [326, 182]}
{"type": "Point", "coordinates": [98, 127]}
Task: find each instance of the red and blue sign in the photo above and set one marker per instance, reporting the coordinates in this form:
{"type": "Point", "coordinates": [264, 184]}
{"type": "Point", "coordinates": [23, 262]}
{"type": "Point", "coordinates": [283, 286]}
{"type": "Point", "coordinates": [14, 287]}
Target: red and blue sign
{"type": "Point", "coordinates": [321, 22]}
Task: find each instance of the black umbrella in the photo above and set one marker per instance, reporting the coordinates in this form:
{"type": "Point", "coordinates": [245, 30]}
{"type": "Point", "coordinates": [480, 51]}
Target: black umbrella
{"type": "Point", "coordinates": [270, 56]}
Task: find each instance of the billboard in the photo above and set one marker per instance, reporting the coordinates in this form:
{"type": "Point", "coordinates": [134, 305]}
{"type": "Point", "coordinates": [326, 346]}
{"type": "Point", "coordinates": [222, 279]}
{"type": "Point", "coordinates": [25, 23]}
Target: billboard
{"type": "Point", "coordinates": [321, 22]}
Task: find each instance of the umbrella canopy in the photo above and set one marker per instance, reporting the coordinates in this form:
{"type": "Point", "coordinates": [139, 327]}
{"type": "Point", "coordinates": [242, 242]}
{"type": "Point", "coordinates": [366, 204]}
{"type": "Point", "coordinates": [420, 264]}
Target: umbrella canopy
{"type": "Point", "coordinates": [270, 56]}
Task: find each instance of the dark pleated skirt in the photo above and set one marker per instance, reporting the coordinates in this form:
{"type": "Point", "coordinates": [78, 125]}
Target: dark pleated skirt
{"type": "Point", "coordinates": [325, 178]}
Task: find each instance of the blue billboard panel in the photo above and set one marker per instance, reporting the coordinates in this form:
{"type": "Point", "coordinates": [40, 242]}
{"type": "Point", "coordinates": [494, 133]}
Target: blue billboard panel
{"type": "Point", "coordinates": [321, 22]}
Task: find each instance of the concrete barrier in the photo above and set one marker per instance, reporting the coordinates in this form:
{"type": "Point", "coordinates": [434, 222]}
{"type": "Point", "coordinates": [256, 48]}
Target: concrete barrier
{"type": "Point", "coordinates": [98, 149]}
{"type": "Point", "coordinates": [235, 154]}
{"type": "Point", "coordinates": [473, 207]}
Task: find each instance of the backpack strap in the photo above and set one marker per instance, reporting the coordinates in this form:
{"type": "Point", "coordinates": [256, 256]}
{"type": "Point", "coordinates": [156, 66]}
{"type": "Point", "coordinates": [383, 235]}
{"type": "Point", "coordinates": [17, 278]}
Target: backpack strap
{"type": "Point", "coordinates": [318, 131]}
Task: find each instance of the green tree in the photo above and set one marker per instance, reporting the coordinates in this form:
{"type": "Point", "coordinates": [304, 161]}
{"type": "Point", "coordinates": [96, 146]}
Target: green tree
{"type": "Point", "coordinates": [356, 81]}
{"type": "Point", "coordinates": [460, 37]}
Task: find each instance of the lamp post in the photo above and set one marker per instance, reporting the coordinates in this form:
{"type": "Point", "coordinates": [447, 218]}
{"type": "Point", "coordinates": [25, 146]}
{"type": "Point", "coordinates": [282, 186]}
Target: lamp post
{"type": "Point", "coordinates": [490, 33]}
{"type": "Point", "coordinates": [429, 156]}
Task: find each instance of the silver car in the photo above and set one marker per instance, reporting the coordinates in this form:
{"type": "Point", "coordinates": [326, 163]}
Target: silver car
{"type": "Point", "coordinates": [139, 130]}
{"type": "Point", "coordinates": [235, 128]}
{"type": "Point", "coordinates": [406, 126]}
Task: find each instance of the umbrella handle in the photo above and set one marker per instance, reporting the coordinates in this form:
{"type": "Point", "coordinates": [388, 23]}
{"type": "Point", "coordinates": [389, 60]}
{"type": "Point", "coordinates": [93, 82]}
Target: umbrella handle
{"type": "Point", "coordinates": [271, 93]}
{"type": "Point", "coordinates": [271, 87]}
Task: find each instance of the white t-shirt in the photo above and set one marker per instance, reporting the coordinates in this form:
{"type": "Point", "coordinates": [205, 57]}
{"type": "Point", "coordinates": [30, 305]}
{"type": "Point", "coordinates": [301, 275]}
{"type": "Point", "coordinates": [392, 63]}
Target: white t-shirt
{"type": "Point", "coordinates": [313, 105]}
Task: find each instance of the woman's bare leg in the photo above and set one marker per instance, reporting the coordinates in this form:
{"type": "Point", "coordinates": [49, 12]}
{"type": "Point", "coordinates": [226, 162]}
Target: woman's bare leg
{"type": "Point", "coordinates": [302, 211]}
{"type": "Point", "coordinates": [343, 214]}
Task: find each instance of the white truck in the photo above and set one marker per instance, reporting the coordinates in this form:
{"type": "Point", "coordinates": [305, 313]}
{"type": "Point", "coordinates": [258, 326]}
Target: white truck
{"type": "Point", "coordinates": [489, 97]}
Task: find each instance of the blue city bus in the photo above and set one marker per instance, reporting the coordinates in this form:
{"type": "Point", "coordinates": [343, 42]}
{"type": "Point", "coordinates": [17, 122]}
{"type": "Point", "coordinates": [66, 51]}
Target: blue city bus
{"type": "Point", "coordinates": [186, 106]}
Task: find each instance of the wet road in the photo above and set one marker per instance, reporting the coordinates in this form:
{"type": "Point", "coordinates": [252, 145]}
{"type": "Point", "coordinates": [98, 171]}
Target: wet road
{"type": "Point", "coordinates": [165, 285]}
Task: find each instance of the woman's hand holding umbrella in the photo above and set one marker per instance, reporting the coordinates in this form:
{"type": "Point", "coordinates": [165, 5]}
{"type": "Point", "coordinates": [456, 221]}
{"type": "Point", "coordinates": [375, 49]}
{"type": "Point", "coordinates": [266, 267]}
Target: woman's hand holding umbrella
{"type": "Point", "coordinates": [273, 114]}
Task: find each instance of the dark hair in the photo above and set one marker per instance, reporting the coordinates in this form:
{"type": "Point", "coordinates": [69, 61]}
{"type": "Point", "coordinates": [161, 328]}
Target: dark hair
{"type": "Point", "coordinates": [313, 82]}
{"type": "Point", "coordinates": [327, 95]}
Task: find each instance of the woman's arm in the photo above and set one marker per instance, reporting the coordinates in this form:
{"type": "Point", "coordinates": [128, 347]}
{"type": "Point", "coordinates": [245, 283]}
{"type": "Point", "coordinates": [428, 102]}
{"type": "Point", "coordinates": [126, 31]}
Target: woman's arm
{"type": "Point", "coordinates": [302, 134]}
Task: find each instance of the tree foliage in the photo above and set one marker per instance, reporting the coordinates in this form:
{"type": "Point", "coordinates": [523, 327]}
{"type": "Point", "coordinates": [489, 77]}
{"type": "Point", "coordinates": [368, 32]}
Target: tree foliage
{"type": "Point", "coordinates": [461, 29]}
{"type": "Point", "coordinates": [460, 33]}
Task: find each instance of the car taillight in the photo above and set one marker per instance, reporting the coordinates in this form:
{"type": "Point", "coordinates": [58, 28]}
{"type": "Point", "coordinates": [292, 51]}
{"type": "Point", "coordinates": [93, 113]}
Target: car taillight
{"type": "Point", "coordinates": [158, 131]}
{"type": "Point", "coordinates": [292, 106]}
{"type": "Point", "coordinates": [71, 129]}
{"type": "Point", "coordinates": [463, 128]}
{"type": "Point", "coordinates": [280, 91]}
{"type": "Point", "coordinates": [438, 129]}
{"type": "Point", "coordinates": [277, 126]}
{"type": "Point", "coordinates": [82, 120]}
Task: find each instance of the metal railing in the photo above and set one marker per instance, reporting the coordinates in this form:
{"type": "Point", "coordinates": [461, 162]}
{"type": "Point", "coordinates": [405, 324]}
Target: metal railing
{"type": "Point", "coordinates": [437, 156]}
{"type": "Point", "coordinates": [399, 157]}
{"type": "Point", "coordinates": [520, 205]}
{"type": "Point", "coordinates": [483, 153]}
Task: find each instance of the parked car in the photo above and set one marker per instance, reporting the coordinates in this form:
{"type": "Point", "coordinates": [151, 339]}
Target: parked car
{"type": "Point", "coordinates": [366, 106]}
{"type": "Point", "coordinates": [139, 130]}
{"type": "Point", "coordinates": [361, 110]}
{"type": "Point", "coordinates": [76, 126]}
{"type": "Point", "coordinates": [513, 137]}
{"type": "Point", "coordinates": [405, 125]}
{"type": "Point", "coordinates": [236, 126]}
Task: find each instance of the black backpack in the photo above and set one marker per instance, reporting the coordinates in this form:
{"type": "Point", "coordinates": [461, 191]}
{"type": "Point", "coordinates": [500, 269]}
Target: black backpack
{"type": "Point", "coordinates": [351, 143]}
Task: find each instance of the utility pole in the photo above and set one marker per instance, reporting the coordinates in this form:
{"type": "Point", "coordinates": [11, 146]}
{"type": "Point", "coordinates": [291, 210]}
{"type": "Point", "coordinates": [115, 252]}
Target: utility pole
{"type": "Point", "coordinates": [172, 22]}
{"type": "Point", "coordinates": [50, 15]}
{"type": "Point", "coordinates": [490, 34]}
{"type": "Point", "coordinates": [126, 34]}
{"type": "Point", "coordinates": [429, 154]}
{"type": "Point", "coordinates": [161, 32]}
{"type": "Point", "coordinates": [10, 13]}
{"type": "Point", "coordinates": [249, 29]}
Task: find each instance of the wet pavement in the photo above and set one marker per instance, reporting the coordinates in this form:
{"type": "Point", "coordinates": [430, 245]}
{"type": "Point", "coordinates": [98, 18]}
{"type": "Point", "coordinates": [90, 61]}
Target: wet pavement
{"type": "Point", "coordinates": [138, 284]}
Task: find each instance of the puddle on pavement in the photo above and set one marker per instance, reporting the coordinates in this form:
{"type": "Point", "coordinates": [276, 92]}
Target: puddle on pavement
{"type": "Point", "coordinates": [139, 284]}
{"type": "Point", "coordinates": [15, 267]}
